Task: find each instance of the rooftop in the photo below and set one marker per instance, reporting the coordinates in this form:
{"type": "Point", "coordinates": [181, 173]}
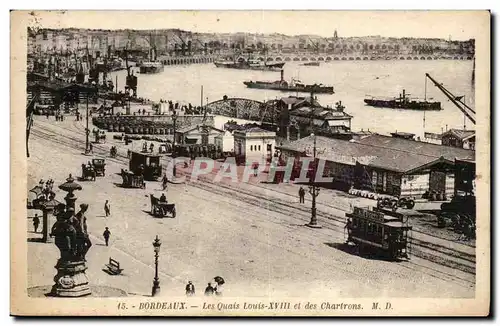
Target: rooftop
{"type": "Point", "coordinates": [393, 158]}
{"type": "Point", "coordinates": [460, 133]}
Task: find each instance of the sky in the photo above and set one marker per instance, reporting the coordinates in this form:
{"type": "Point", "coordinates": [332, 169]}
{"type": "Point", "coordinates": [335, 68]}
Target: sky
{"type": "Point", "coordinates": [459, 25]}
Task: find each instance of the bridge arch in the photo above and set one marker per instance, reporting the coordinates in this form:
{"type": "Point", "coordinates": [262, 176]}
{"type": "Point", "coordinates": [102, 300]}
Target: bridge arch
{"type": "Point", "coordinates": [270, 59]}
{"type": "Point", "coordinates": [321, 59]}
{"type": "Point", "coordinates": [429, 58]}
{"type": "Point", "coordinates": [304, 59]}
{"type": "Point", "coordinates": [344, 58]}
{"type": "Point", "coordinates": [288, 59]}
{"type": "Point", "coordinates": [409, 58]}
{"type": "Point", "coordinates": [351, 58]}
{"type": "Point", "coordinates": [422, 58]}
{"type": "Point", "coordinates": [358, 58]}
{"type": "Point", "coordinates": [328, 58]}
{"type": "Point", "coordinates": [296, 59]}
{"type": "Point", "coordinates": [312, 59]}
{"type": "Point", "coordinates": [279, 59]}
{"type": "Point", "coordinates": [415, 58]}
{"type": "Point", "coordinates": [365, 58]}
{"type": "Point", "coordinates": [401, 58]}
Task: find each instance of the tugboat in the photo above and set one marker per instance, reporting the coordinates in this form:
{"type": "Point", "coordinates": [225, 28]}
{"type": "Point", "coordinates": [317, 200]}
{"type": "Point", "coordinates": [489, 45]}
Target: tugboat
{"type": "Point", "coordinates": [249, 63]}
{"type": "Point", "coordinates": [152, 66]}
{"type": "Point", "coordinates": [404, 102]}
{"type": "Point", "coordinates": [312, 63]}
{"type": "Point", "coordinates": [282, 85]}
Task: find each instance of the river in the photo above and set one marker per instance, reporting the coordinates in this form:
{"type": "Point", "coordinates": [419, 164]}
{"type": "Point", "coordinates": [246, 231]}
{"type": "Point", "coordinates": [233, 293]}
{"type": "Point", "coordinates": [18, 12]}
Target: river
{"type": "Point", "coordinates": [352, 81]}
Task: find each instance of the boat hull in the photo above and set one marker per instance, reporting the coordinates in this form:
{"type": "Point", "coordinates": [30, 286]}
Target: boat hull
{"type": "Point", "coordinates": [408, 105]}
{"type": "Point", "coordinates": [287, 88]}
{"type": "Point", "coordinates": [266, 67]}
{"type": "Point", "coordinates": [150, 70]}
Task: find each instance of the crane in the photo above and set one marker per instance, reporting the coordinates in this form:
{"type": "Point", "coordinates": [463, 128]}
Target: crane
{"type": "Point", "coordinates": [457, 100]}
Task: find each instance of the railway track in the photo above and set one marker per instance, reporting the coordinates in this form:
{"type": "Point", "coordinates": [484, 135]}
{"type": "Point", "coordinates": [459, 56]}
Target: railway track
{"type": "Point", "coordinates": [426, 250]}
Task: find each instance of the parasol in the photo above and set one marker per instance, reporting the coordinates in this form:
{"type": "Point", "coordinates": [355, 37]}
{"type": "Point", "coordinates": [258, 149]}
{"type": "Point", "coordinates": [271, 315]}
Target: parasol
{"type": "Point", "coordinates": [219, 280]}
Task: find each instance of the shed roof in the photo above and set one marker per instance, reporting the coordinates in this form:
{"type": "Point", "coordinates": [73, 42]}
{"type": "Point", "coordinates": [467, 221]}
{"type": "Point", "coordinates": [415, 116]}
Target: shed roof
{"type": "Point", "coordinates": [350, 152]}
{"type": "Point", "coordinates": [460, 134]}
{"type": "Point", "coordinates": [421, 148]}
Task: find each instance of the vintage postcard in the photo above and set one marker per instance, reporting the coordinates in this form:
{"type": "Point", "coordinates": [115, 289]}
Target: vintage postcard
{"type": "Point", "coordinates": [250, 163]}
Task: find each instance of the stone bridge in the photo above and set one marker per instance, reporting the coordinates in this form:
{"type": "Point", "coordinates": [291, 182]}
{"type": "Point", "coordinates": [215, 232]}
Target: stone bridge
{"type": "Point", "coordinates": [328, 58]}
{"type": "Point", "coordinates": [169, 61]}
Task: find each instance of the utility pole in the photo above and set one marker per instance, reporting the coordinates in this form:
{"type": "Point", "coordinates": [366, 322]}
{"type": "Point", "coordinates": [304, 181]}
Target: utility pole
{"type": "Point", "coordinates": [87, 130]}
{"type": "Point", "coordinates": [313, 189]}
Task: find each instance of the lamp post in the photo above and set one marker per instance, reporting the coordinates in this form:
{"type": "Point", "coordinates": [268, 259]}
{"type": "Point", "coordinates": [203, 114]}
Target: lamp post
{"type": "Point", "coordinates": [70, 186]}
{"type": "Point", "coordinates": [174, 119]}
{"type": "Point", "coordinates": [156, 280]}
{"type": "Point", "coordinates": [313, 190]}
{"type": "Point", "coordinates": [87, 130]}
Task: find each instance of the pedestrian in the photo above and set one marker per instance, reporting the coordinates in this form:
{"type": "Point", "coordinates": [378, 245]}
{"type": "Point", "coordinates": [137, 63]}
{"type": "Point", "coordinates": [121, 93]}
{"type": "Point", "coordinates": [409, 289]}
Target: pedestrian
{"type": "Point", "coordinates": [107, 208]}
{"type": "Point", "coordinates": [255, 169]}
{"type": "Point", "coordinates": [164, 182]}
{"type": "Point", "coordinates": [209, 290]}
{"type": "Point", "coordinates": [129, 153]}
{"type": "Point", "coordinates": [302, 194]}
{"type": "Point", "coordinates": [106, 235]}
{"type": "Point", "coordinates": [36, 222]}
{"type": "Point", "coordinates": [190, 291]}
{"type": "Point", "coordinates": [91, 147]}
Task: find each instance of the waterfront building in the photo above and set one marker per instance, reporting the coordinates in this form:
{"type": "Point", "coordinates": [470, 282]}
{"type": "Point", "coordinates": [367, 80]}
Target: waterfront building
{"type": "Point", "coordinates": [459, 138]}
{"type": "Point", "coordinates": [383, 164]}
{"type": "Point", "coordinates": [197, 134]}
{"type": "Point", "coordinates": [254, 144]}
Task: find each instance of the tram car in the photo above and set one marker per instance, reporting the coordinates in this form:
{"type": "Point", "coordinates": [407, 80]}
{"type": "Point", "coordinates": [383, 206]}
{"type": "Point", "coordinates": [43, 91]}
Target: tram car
{"type": "Point", "coordinates": [145, 164]}
{"type": "Point", "coordinates": [376, 232]}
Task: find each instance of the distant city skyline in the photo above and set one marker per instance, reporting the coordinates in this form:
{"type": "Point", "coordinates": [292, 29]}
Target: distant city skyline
{"type": "Point", "coordinates": [459, 25]}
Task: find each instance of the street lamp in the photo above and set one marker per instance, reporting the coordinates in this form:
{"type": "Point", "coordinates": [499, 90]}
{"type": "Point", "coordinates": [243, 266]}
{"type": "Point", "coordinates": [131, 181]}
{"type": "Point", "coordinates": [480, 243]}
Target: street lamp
{"type": "Point", "coordinates": [174, 119]}
{"type": "Point", "coordinates": [87, 130]}
{"type": "Point", "coordinates": [156, 281]}
{"type": "Point", "coordinates": [313, 190]}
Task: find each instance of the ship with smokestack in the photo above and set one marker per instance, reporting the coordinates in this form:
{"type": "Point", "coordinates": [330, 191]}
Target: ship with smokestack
{"type": "Point", "coordinates": [403, 102]}
{"type": "Point", "coordinates": [246, 61]}
{"type": "Point", "coordinates": [293, 86]}
{"type": "Point", "coordinates": [152, 65]}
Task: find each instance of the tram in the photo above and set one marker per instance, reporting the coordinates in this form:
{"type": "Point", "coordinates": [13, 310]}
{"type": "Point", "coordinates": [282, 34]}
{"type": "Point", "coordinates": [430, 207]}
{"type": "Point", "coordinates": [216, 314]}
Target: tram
{"type": "Point", "coordinates": [375, 231]}
{"type": "Point", "coordinates": [147, 165]}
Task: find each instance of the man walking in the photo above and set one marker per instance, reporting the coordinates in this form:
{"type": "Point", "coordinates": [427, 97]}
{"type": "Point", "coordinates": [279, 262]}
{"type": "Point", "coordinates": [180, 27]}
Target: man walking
{"type": "Point", "coordinates": [36, 222]}
{"type": "Point", "coordinates": [106, 235]}
{"type": "Point", "coordinates": [209, 290]}
{"type": "Point", "coordinates": [190, 289]}
{"type": "Point", "coordinates": [164, 182]}
{"type": "Point", "coordinates": [302, 194]}
{"type": "Point", "coordinates": [107, 208]}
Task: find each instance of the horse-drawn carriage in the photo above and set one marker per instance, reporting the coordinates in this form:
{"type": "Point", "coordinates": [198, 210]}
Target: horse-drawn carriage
{"type": "Point", "coordinates": [88, 172]}
{"type": "Point", "coordinates": [99, 165]}
{"type": "Point", "coordinates": [147, 165]}
{"type": "Point", "coordinates": [100, 136]}
{"type": "Point", "coordinates": [161, 208]}
{"type": "Point", "coordinates": [131, 180]}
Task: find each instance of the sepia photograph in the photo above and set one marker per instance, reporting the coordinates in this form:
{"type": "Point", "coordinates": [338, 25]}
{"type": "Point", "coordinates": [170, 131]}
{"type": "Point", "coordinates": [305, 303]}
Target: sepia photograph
{"type": "Point", "coordinates": [250, 163]}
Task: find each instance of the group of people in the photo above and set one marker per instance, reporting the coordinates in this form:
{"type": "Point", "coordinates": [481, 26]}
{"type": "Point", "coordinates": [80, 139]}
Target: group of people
{"type": "Point", "coordinates": [59, 116]}
{"type": "Point", "coordinates": [145, 147]}
{"type": "Point", "coordinates": [211, 289]}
